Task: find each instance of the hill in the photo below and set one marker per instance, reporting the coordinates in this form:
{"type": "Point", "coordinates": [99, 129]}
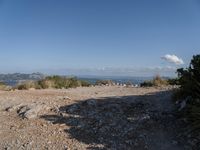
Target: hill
{"type": "Point", "coordinates": [12, 79]}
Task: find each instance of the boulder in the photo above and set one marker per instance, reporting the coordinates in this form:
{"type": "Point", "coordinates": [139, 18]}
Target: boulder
{"type": "Point", "coordinates": [32, 111]}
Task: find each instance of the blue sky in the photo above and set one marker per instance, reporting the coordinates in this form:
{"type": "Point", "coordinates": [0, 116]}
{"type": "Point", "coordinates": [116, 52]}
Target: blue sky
{"type": "Point", "coordinates": [98, 37]}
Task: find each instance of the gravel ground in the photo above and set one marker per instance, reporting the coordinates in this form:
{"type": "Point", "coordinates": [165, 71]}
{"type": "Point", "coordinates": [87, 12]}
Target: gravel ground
{"type": "Point", "coordinates": [108, 117]}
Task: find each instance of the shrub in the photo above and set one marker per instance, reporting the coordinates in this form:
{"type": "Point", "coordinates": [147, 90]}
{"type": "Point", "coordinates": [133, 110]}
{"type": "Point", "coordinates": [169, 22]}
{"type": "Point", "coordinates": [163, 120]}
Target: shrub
{"type": "Point", "coordinates": [189, 91]}
{"type": "Point", "coordinates": [85, 83]}
{"type": "Point", "coordinates": [189, 79]}
{"type": "Point", "coordinates": [146, 84]}
{"type": "Point", "coordinates": [22, 87]}
{"type": "Point", "coordinates": [42, 84]}
{"type": "Point", "coordinates": [173, 81]}
{"type": "Point", "coordinates": [157, 81]}
{"type": "Point", "coordinates": [26, 85]}
{"type": "Point", "coordinates": [4, 87]}
{"type": "Point", "coordinates": [1, 83]}
{"type": "Point", "coordinates": [104, 82]}
{"type": "Point", "coordinates": [57, 82]}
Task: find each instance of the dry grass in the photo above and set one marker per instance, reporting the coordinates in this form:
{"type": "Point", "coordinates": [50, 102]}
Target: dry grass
{"type": "Point", "coordinates": [157, 81]}
{"type": "Point", "coordinates": [56, 82]}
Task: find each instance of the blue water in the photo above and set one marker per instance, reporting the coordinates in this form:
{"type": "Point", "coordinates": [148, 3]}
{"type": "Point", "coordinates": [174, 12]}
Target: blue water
{"type": "Point", "coordinates": [93, 79]}
{"type": "Point", "coordinates": [121, 80]}
{"type": "Point", "coordinates": [11, 82]}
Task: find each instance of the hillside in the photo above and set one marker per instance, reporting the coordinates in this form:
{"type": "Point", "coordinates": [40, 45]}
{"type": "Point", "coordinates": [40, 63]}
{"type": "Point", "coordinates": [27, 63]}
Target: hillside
{"type": "Point", "coordinates": [12, 79]}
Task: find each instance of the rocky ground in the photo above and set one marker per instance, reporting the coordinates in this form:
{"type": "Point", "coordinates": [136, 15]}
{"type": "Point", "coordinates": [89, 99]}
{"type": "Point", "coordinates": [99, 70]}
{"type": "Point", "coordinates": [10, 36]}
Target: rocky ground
{"type": "Point", "coordinates": [114, 118]}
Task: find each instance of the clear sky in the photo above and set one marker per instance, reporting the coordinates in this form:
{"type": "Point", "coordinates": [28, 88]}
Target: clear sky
{"type": "Point", "coordinates": [101, 37]}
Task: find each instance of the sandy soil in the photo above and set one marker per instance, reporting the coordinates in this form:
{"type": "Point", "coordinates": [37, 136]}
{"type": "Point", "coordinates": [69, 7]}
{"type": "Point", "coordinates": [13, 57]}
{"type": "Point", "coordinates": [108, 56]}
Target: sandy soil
{"type": "Point", "coordinates": [89, 118]}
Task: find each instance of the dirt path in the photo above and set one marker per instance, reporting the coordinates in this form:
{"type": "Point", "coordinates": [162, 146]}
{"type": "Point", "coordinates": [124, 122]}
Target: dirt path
{"type": "Point", "coordinates": [89, 118]}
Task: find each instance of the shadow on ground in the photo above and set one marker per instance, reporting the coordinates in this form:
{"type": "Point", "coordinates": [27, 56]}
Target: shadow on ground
{"type": "Point", "coordinates": [128, 122]}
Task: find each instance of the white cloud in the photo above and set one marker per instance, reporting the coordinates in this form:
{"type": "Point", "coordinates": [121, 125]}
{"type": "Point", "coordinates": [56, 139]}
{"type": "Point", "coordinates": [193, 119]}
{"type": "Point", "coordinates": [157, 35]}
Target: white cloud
{"type": "Point", "coordinates": [173, 59]}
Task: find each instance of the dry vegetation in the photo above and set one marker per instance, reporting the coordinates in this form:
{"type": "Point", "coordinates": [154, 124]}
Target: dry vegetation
{"type": "Point", "coordinates": [4, 87]}
{"type": "Point", "coordinates": [56, 82]}
{"type": "Point", "coordinates": [157, 81]}
{"type": "Point", "coordinates": [104, 82]}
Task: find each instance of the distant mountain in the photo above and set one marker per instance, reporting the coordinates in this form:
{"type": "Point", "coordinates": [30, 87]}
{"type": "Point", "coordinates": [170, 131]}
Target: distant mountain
{"type": "Point", "coordinates": [13, 79]}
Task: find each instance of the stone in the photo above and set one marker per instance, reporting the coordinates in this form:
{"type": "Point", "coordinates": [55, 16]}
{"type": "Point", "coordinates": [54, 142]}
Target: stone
{"type": "Point", "coordinates": [63, 97]}
{"type": "Point", "coordinates": [22, 110]}
{"type": "Point", "coordinates": [31, 111]}
{"type": "Point", "coordinates": [13, 108]}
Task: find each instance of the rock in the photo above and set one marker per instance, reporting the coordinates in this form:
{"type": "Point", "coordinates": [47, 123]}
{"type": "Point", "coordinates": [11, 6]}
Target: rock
{"type": "Point", "coordinates": [13, 108]}
{"type": "Point", "coordinates": [30, 114]}
{"type": "Point", "coordinates": [22, 110]}
{"type": "Point", "coordinates": [63, 97]}
{"type": "Point", "coordinates": [55, 109]}
{"type": "Point", "coordinates": [31, 111]}
{"type": "Point", "coordinates": [7, 148]}
{"type": "Point", "coordinates": [66, 97]}
{"type": "Point", "coordinates": [9, 109]}
{"type": "Point", "coordinates": [12, 127]}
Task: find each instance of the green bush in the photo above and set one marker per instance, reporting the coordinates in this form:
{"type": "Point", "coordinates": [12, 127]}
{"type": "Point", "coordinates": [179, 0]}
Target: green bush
{"type": "Point", "coordinates": [85, 83]}
{"type": "Point", "coordinates": [189, 91]}
{"type": "Point", "coordinates": [104, 82]}
{"type": "Point", "coordinates": [56, 82]}
{"type": "Point", "coordinates": [189, 79]}
{"type": "Point", "coordinates": [173, 81]}
{"type": "Point", "coordinates": [146, 84]}
{"type": "Point", "coordinates": [42, 84]}
{"type": "Point", "coordinates": [26, 85]}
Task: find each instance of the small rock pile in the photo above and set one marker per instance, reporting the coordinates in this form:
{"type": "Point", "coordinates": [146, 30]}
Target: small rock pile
{"type": "Point", "coordinates": [29, 111]}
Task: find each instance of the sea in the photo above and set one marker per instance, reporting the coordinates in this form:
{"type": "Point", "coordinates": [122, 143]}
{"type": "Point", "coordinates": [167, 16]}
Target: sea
{"type": "Point", "coordinates": [94, 79]}
{"type": "Point", "coordinates": [120, 80]}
